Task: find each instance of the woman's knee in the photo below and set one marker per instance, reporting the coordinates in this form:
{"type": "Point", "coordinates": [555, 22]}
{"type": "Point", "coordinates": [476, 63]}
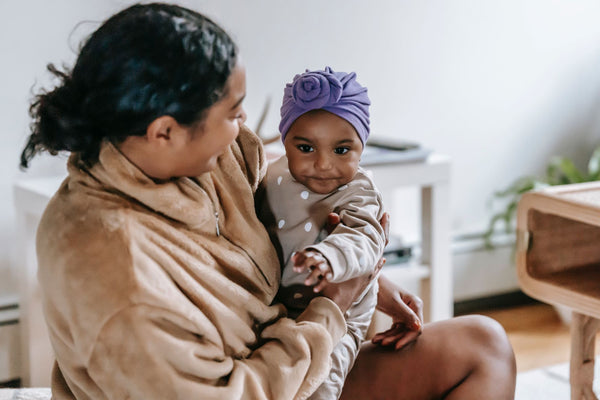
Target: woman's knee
{"type": "Point", "coordinates": [488, 337]}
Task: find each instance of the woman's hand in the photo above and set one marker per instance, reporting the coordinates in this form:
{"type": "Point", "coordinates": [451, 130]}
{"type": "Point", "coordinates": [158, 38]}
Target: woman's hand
{"type": "Point", "coordinates": [406, 311]}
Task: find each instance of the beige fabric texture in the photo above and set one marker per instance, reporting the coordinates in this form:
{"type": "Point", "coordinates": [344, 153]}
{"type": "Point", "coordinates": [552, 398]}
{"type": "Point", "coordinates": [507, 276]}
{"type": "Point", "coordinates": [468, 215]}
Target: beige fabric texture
{"type": "Point", "coordinates": [144, 300]}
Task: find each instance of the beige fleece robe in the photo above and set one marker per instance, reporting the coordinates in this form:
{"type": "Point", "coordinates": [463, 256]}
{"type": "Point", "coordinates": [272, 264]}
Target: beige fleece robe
{"type": "Point", "coordinates": [164, 290]}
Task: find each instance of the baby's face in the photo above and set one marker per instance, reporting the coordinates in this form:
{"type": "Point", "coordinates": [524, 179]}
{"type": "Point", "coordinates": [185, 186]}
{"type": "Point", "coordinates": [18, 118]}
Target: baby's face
{"type": "Point", "coordinates": [323, 151]}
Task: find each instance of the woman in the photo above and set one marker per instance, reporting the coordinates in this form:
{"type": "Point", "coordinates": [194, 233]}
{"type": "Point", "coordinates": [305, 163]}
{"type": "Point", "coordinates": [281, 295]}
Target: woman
{"type": "Point", "coordinates": [157, 277]}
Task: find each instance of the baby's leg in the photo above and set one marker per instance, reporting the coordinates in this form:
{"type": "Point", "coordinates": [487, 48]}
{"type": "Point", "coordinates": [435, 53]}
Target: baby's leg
{"type": "Point", "coordinates": [358, 319]}
{"type": "Point", "coordinates": [466, 358]}
{"type": "Point", "coordinates": [342, 359]}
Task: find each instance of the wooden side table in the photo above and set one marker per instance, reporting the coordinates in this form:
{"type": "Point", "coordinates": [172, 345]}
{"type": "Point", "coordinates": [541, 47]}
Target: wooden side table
{"type": "Point", "coordinates": [558, 262]}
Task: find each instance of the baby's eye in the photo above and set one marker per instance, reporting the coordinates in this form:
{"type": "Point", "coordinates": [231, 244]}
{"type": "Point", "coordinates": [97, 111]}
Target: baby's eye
{"type": "Point", "coordinates": [305, 148]}
{"type": "Point", "coordinates": [341, 150]}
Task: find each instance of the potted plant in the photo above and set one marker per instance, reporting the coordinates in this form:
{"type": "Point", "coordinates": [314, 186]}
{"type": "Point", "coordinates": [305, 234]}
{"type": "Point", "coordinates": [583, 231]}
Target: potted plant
{"type": "Point", "coordinates": [560, 171]}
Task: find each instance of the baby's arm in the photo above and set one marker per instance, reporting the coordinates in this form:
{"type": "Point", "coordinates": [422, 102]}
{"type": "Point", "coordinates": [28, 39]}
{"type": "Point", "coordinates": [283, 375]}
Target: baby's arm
{"type": "Point", "coordinates": [357, 243]}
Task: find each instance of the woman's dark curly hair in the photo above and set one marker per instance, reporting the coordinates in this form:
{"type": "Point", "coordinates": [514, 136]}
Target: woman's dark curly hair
{"type": "Point", "coordinates": [144, 62]}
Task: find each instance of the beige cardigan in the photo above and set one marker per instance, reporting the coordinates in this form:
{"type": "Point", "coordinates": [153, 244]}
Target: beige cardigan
{"type": "Point", "coordinates": [144, 300]}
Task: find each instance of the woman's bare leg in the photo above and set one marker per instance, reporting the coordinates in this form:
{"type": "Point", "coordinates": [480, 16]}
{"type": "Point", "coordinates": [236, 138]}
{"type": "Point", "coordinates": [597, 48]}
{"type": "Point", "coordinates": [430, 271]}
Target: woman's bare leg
{"type": "Point", "coordinates": [463, 358]}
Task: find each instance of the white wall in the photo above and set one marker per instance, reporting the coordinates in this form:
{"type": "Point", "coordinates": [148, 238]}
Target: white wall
{"type": "Point", "coordinates": [498, 85]}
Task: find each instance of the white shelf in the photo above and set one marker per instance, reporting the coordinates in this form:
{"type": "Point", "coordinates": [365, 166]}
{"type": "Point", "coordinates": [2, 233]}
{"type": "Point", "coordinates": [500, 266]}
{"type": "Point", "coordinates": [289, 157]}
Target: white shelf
{"type": "Point", "coordinates": [406, 272]}
{"type": "Point", "coordinates": [432, 176]}
{"type": "Point", "coordinates": [9, 300]}
{"type": "Point", "coordinates": [9, 316]}
{"type": "Point", "coordinates": [9, 356]}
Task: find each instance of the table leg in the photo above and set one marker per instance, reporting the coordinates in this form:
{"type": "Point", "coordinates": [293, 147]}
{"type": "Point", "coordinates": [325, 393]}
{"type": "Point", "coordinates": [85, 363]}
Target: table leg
{"type": "Point", "coordinates": [435, 252]}
{"type": "Point", "coordinates": [583, 340]}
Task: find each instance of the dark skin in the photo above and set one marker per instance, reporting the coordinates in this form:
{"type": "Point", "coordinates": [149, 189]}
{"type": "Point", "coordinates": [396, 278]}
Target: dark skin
{"type": "Point", "coordinates": [461, 358]}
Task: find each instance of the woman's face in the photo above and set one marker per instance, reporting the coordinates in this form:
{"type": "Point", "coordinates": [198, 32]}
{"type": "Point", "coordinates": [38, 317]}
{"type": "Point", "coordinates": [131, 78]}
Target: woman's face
{"type": "Point", "coordinates": [323, 151]}
{"type": "Point", "coordinates": [211, 137]}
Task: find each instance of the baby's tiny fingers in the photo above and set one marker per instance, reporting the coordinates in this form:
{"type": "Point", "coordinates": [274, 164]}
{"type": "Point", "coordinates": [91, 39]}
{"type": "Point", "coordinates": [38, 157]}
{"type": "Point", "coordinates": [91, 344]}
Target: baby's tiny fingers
{"type": "Point", "coordinates": [316, 274]}
{"type": "Point", "coordinates": [313, 277]}
{"type": "Point", "coordinates": [299, 268]}
{"type": "Point", "coordinates": [320, 286]}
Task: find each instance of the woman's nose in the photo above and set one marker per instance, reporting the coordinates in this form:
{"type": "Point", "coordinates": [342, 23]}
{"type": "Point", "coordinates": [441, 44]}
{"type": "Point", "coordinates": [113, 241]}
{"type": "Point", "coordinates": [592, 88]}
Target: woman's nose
{"type": "Point", "coordinates": [242, 117]}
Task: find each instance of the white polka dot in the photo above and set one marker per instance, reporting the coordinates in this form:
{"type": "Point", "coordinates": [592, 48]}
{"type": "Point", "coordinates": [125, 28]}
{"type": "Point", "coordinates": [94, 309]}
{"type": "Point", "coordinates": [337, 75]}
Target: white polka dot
{"type": "Point", "coordinates": [279, 179]}
{"type": "Point", "coordinates": [308, 226]}
{"type": "Point", "coordinates": [361, 261]}
{"type": "Point", "coordinates": [281, 223]}
{"type": "Point", "coordinates": [343, 187]}
{"type": "Point", "coordinates": [304, 194]}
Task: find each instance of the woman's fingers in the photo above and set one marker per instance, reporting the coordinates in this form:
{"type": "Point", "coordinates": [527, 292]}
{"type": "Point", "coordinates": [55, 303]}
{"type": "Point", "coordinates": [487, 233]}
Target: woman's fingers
{"type": "Point", "coordinates": [413, 319]}
{"type": "Point", "coordinates": [299, 260]}
{"type": "Point", "coordinates": [379, 265]}
{"type": "Point", "coordinates": [409, 318]}
{"type": "Point", "coordinates": [397, 336]}
{"type": "Point", "coordinates": [408, 338]}
{"type": "Point", "coordinates": [333, 220]}
{"type": "Point", "coordinates": [377, 338]}
{"type": "Point", "coordinates": [385, 224]}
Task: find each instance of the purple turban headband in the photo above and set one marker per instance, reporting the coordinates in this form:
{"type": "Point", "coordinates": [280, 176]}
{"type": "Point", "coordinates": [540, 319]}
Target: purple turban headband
{"type": "Point", "coordinates": [336, 92]}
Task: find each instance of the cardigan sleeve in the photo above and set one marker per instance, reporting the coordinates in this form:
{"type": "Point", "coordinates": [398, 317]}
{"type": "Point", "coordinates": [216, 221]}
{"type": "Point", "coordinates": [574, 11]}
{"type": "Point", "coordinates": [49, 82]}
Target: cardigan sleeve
{"type": "Point", "coordinates": [144, 352]}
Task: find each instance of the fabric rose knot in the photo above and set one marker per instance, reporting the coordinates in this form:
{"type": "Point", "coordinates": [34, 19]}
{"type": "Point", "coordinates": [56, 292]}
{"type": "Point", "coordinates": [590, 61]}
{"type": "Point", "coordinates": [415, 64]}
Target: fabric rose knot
{"type": "Point", "coordinates": [316, 89]}
{"type": "Point", "coordinates": [336, 92]}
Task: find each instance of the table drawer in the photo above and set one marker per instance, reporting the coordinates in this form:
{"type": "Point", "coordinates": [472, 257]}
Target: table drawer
{"type": "Point", "coordinates": [9, 345]}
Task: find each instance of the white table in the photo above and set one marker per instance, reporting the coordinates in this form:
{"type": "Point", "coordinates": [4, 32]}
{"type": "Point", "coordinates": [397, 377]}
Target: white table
{"type": "Point", "coordinates": [434, 270]}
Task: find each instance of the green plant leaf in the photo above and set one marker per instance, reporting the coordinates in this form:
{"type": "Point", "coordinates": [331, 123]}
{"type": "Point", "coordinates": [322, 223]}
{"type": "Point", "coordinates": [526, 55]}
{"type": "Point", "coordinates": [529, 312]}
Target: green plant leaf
{"type": "Point", "coordinates": [487, 235]}
{"type": "Point", "coordinates": [559, 171]}
{"type": "Point", "coordinates": [511, 210]}
{"type": "Point", "coordinates": [518, 187]}
{"type": "Point", "coordinates": [562, 171]}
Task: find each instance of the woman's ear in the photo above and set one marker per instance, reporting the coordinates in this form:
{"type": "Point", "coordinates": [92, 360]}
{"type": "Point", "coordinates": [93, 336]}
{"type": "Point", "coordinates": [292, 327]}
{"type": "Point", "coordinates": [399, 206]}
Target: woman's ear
{"type": "Point", "coordinates": [163, 131]}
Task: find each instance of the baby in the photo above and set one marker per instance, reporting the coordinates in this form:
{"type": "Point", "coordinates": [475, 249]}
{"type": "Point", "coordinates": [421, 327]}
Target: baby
{"type": "Point", "coordinates": [324, 127]}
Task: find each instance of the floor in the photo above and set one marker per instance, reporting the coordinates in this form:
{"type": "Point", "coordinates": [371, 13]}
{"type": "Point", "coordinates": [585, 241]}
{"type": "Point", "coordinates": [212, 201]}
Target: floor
{"type": "Point", "coordinates": [538, 335]}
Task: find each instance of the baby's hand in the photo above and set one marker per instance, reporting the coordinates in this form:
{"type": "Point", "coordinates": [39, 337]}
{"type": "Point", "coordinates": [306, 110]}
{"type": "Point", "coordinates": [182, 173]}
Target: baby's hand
{"type": "Point", "coordinates": [317, 264]}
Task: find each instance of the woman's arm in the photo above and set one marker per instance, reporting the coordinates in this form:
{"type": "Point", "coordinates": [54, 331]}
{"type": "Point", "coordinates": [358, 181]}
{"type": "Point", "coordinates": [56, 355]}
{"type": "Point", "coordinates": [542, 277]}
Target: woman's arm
{"type": "Point", "coordinates": [148, 353]}
{"type": "Point", "coordinates": [151, 352]}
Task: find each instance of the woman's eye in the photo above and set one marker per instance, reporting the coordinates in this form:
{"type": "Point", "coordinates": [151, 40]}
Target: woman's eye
{"type": "Point", "coordinates": [341, 150]}
{"type": "Point", "coordinates": [305, 148]}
